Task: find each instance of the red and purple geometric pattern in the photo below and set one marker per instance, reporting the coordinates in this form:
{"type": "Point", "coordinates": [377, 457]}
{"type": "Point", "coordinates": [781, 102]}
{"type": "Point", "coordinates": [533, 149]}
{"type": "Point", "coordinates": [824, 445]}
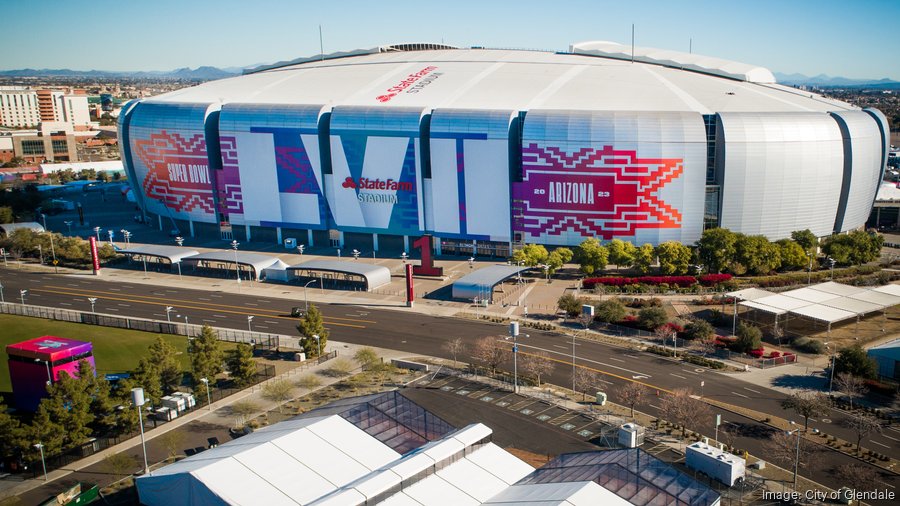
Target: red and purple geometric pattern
{"type": "Point", "coordinates": [177, 171]}
{"type": "Point", "coordinates": [594, 192]}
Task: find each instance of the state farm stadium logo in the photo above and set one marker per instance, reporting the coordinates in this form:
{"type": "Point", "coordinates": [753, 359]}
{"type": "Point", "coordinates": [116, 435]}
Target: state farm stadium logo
{"type": "Point", "coordinates": [365, 183]}
{"type": "Point", "coordinates": [413, 83]}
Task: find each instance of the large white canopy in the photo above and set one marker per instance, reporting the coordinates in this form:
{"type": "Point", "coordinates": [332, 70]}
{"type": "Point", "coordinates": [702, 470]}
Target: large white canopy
{"type": "Point", "coordinates": [827, 302]}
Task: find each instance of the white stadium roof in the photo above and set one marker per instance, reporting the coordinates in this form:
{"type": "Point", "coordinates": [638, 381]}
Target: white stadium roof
{"type": "Point", "coordinates": [599, 77]}
{"type": "Point", "coordinates": [827, 302]}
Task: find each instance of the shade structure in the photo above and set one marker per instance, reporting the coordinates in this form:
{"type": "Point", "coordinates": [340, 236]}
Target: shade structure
{"type": "Point", "coordinates": [372, 276]}
{"type": "Point", "coordinates": [825, 302]}
{"type": "Point", "coordinates": [480, 284]}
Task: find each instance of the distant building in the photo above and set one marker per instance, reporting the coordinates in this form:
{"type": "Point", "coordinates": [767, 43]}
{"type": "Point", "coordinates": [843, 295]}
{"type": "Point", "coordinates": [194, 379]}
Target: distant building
{"type": "Point", "coordinates": [54, 141]}
{"type": "Point", "coordinates": [26, 107]}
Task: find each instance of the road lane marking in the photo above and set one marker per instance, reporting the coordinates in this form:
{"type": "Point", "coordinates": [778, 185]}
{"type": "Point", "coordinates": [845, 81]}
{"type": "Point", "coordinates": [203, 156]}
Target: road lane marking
{"type": "Point", "coordinates": [64, 304]}
{"type": "Point", "coordinates": [740, 395]}
{"type": "Point", "coordinates": [560, 346]}
{"type": "Point", "coordinates": [201, 298]}
{"type": "Point", "coordinates": [183, 302]}
{"type": "Point", "coordinates": [250, 304]}
{"type": "Point", "coordinates": [219, 315]}
{"type": "Point", "coordinates": [891, 438]}
{"type": "Point", "coordinates": [754, 391]}
{"type": "Point", "coordinates": [111, 309]}
{"type": "Point", "coordinates": [879, 444]}
{"type": "Point", "coordinates": [616, 359]}
{"type": "Point", "coordinates": [585, 360]}
{"type": "Point", "coordinates": [261, 327]}
{"type": "Point", "coordinates": [210, 321]}
{"type": "Point", "coordinates": [269, 321]}
{"type": "Point", "coordinates": [677, 375]}
{"type": "Point", "coordinates": [691, 372]}
{"type": "Point", "coordinates": [326, 320]}
{"type": "Point", "coordinates": [655, 407]}
{"type": "Point", "coordinates": [116, 289]}
{"type": "Point", "coordinates": [124, 305]}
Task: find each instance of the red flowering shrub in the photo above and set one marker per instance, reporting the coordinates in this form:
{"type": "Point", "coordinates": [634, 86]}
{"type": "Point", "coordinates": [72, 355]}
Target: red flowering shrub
{"type": "Point", "coordinates": [714, 279]}
{"type": "Point", "coordinates": [680, 281]}
{"type": "Point", "coordinates": [757, 353]}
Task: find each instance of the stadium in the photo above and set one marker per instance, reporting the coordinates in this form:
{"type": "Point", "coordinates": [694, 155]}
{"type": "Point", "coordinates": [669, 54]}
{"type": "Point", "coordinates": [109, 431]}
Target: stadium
{"type": "Point", "coordinates": [485, 149]}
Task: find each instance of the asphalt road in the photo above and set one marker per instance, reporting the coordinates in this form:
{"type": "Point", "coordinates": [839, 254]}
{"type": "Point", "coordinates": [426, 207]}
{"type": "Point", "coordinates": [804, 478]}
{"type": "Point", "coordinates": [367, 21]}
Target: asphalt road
{"type": "Point", "coordinates": [412, 332]}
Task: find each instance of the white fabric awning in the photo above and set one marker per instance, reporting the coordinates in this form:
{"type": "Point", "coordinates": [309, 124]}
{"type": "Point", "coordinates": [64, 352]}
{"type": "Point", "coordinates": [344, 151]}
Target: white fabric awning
{"type": "Point", "coordinates": [828, 302]}
{"type": "Point", "coordinates": [749, 294]}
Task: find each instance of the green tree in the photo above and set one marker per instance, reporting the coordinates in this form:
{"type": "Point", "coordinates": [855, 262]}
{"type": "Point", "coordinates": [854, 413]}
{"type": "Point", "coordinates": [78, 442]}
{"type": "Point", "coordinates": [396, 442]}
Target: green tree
{"type": "Point", "coordinates": [313, 325]}
{"type": "Point", "coordinates": [279, 392]}
{"type": "Point", "coordinates": [805, 238]}
{"type": "Point", "coordinates": [366, 357]}
{"type": "Point", "coordinates": [146, 376]}
{"type": "Point", "coordinates": [715, 248]}
{"type": "Point", "coordinates": [164, 358]}
{"type": "Point", "coordinates": [68, 406]}
{"type": "Point", "coordinates": [103, 406]}
{"type": "Point", "coordinates": [643, 258]}
{"type": "Point", "coordinates": [530, 255]}
{"type": "Point", "coordinates": [592, 256]}
{"type": "Point", "coordinates": [857, 247]}
{"type": "Point", "coordinates": [699, 330]}
{"type": "Point", "coordinates": [570, 304]}
{"type": "Point", "coordinates": [565, 254]}
{"type": "Point", "coordinates": [621, 253]}
{"type": "Point", "coordinates": [674, 258]}
{"type": "Point", "coordinates": [610, 311]}
{"type": "Point", "coordinates": [12, 434]}
{"type": "Point", "coordinates": [652, 318]}
{"type": "Point", "coordinates": [757, 254]}
{"type": "Point", "coordinates": [748, 338]}
{"type": "Point", "coordinates": [240, 363]}
{"type": "Point", "coordinates": [557, 258]}
{"type": "Point", "coordinates": [103, 176]}
{"type": "Point", "coordinates": [206, 358]}
{"type": "Point", "coordinates": [792, 255]}
{"type": "Point", "coordinates": [6, 215]}
{"type": "Point", "coordinates": [855, 361]}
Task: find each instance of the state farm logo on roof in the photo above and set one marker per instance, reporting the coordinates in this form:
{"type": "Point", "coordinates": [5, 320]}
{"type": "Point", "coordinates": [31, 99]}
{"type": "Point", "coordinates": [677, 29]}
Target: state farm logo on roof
{"type": "Point", "coordinates": [412, 84]}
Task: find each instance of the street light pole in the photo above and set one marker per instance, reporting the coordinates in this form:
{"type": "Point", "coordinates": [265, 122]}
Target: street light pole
{"type": "Point", "coordinates": [208, 398]}
{"type": "Point", "coordinates": [305, 300]}
{"type": "Point", "coordinates": [797, 455]}
{"type": "Point", "coordinates": [169, 310]}
{"type": "Point", "coordinates": [514, 334]}
{"type": "Point", "coordinates": [2, 299]}
{"type": "Point", "coordinates": [97, 231]}
{"type": "Point", "coordinates": [249, 319]}
{"type": "Point", "coordinates": [40, 447]}
{"type": "Point", "coordinates": [734, 318]}
{"type": "Point", "coordinates": [92, 300]}
{"type": "Point", "coordinates": [137, 398]}
{"type": "Point", "coordinates": [237, 272]}
{"type": "Point", "coordinates": [318, 347]}
{"type": "Point", "coordinates": [23, 293]}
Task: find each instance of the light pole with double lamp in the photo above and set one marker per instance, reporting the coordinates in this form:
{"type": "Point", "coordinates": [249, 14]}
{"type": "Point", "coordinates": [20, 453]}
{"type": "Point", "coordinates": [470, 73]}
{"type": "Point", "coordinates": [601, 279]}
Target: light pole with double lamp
{"type": "Point", "coordinates": [249, 319]}
{"type": "Point", "coordinates": [92, 300]}
{"type": "Point", "coordinates": [305, 300]}
{"type": "Point", "coordinates": [318, 347]}
{"type": "Point", "coordinates": [69, 226]}
{"type": "Point", "coordinates": [169, 310]}
{"type": "Point", "coordinates": [40, 447]}
{"type": "Point", "coordinates": [208, 398]}
{"type": "Point", "coordinates": [2, 299]}
{"type": "Point", "coordinates": [97, 231]}
{"type": "Point", "coordinates": [22, 294]}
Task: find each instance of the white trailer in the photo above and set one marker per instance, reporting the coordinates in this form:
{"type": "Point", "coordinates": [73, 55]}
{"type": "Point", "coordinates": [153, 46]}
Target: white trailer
{"type": "Point", "coordinates": [715, 463]}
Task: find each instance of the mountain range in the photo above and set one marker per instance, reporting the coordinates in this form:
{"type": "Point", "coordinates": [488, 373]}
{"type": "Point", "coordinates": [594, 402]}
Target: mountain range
{"type": "Point", "coordinates": [207, 73]}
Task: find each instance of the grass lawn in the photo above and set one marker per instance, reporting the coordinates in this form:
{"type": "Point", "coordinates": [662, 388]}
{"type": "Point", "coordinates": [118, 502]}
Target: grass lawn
{"type": "Point", "coordinates": [115, 350]}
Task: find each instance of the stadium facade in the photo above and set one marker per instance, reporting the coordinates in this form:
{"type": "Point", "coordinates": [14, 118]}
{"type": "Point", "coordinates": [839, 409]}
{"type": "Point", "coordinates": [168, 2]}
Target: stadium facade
{"type": "Point", "coordinates": [484, 149]}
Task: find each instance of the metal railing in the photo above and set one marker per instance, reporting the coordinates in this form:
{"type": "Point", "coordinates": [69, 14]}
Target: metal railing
{"type": "Point", "coordinates": [262, 341]}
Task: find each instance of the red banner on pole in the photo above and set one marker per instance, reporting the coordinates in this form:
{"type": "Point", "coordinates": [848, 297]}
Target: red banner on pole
{"type": "Point", "coordinates": [95, 258]}
{"type": "Point", "coordinates": [410, 295]}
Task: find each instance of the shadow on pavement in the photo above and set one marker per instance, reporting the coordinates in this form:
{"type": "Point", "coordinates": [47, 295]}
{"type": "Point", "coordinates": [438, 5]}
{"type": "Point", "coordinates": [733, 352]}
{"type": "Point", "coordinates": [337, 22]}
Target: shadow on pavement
{"type": "Point", "coordinates": [799, 382]}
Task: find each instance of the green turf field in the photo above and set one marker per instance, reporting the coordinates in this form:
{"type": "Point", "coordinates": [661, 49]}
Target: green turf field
{"type": "Point", "coordinates": [115, 350]}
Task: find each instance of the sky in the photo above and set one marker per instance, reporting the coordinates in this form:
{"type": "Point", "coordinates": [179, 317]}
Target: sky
{"type": "Point", "coordinates": [857, 39]}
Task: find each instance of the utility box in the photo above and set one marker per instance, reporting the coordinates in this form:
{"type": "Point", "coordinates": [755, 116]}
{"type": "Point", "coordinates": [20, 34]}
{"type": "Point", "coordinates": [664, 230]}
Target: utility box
{"type": "Point", "coordinates": [290, 243]}
{"type": "Point", "coordinates": [166, 414]}
{"type": "Point", "coordinates": [601, 398]}
{"type": "Point", "coordinates": [715, 463]}
{"type": "Point", "coordinates": [631, 435]}
{"type": "Point", "coordinates": [174, 402]}
{"type": "Point", "coordinates": [189, 400]}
